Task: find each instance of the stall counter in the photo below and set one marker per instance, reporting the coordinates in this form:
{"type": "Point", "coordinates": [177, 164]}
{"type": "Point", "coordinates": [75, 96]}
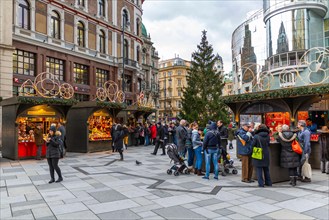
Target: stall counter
{"type": "Point", "coordinates": [29, 149]}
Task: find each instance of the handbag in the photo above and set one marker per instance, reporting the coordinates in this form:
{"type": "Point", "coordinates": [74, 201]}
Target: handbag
{"type": "Point", "coordinates": [306, 169]}
{"type": "Point", "coordinates": [296, 147]}
{"type": "Point", "coordinates": [257, 152]}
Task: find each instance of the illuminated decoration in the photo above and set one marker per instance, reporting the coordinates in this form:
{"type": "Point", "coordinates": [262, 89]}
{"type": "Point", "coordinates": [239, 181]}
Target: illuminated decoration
{"type": "Point", "coordinates": [41, 112]}
{"type": "Point", "coordinates": [110, 91]}
{"type": "Point", "coordinates": [47, 85]}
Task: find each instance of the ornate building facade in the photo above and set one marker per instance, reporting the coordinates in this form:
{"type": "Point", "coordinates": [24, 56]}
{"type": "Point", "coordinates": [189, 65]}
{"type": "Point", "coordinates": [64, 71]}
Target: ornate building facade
{"type": "Point", "coordinates": [172, 80]}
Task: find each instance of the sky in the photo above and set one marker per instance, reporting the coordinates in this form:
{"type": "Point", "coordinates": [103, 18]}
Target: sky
{"type": "Point", "coordinates": [175, 26]}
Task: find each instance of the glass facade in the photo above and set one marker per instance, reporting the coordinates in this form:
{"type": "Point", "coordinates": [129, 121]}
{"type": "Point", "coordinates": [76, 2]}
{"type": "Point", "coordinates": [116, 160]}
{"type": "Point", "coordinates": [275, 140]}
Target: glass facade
{"type": "Point", "coordinates": [24, 62]}
{"type": "Point", "coordinates": [56, 67]}
{"type": "Point", "coordinates": [81, 74]}
{"type": "Point", "coordinates": [101, 77]}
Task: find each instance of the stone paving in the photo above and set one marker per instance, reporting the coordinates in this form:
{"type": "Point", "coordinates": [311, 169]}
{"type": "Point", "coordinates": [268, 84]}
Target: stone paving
{"type": "Point", "coordinates": [98, 186]}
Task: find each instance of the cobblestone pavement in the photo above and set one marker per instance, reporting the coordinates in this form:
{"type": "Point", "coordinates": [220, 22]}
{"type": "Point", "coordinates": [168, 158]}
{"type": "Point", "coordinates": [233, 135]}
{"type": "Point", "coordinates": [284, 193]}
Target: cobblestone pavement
{"type": "Point", "coordinates": [98, 186]}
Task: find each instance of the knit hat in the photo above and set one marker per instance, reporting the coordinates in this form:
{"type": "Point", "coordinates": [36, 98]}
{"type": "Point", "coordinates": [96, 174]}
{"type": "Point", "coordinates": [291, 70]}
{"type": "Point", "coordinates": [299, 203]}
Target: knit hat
{"type": "Point", "coordinates": [52, 128]}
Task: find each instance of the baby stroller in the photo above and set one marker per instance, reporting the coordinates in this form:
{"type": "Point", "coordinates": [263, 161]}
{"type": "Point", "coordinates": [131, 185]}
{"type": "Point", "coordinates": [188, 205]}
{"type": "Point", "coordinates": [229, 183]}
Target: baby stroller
{"type": "Point", "coordinates": [226, 163]}
{"type": "Point", "coordinates": [179, 164]}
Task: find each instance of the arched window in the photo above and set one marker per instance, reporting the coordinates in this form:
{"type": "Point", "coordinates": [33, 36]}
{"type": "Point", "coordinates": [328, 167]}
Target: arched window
{"type": "Point", "coordinates": [102, 42]}
{"type": "Point", "coordinates": [24, 14]}
{"type": "Point", "coordinates": [125, 50]}
{"type": "Point", "coordinates": [138, 53]}
{"type": "Point", "coordinates": [137, 26]}
{"type": "Point", "coordinates": [81, 34]}
{"type": "Point", "coordinates": [125, 18]}
{"type": "Point", "coordinates": [55, 25]}
{"type": "Point", "coordinates": [101, 8]}
{"type": "Point", "coordinates": [81, 3]}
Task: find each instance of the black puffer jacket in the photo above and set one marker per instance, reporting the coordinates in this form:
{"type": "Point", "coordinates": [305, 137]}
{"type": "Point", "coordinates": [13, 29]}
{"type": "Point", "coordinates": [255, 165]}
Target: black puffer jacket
{"type": "Point", "coordinates": [262, 139]}
{"type": "Point", "coordinates": [53, 147]}
{"type": "Point", "coordinates": [288, 158]}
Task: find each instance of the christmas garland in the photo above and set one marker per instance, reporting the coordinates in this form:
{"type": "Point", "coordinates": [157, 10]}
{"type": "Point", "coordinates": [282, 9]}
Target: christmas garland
{"type": "Point", "coordinates": [48, 101]}
{"type": "Point", "coordinates": [113, 105]}
{"type": "Point", "coordinates": [145, 109]}
{"type": "Point", "coordinates": [281, 93]}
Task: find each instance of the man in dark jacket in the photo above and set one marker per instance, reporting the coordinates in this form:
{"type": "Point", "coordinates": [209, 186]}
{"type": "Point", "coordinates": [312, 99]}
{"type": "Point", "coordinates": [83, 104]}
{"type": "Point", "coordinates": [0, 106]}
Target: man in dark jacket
{"type": "Point", "coordinates": [211, 145]}
{"type": "Point", "coordinates": [223, 132]}
{"type": "Point", "coordinates": [38, 136]}
{"type": "Point", "coordinates": [181, 134]}
{"type": "Point", "coordinates": [244, 140]}
{"type": "Point", "coordinates": [159, 140]}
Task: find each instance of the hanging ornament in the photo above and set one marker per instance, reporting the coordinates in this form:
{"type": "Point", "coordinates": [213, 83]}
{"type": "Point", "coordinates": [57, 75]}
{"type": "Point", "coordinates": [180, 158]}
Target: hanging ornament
{"type": "Point", "coordinates": [316, 116]}
{"type": "Point", "coordinates": [322, 116]}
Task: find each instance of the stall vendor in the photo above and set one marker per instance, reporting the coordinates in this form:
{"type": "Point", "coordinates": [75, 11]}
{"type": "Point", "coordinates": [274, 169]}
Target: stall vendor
{"type": "Point", "coordinates": [311, 126]}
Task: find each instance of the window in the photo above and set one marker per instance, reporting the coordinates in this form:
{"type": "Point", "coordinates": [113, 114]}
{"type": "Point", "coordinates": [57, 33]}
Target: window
{"type": "Point", "coordinates": [101, 77]}
{"type": "Point", "coordinates": [56, 67]}
{"type": "Point", "coordinates": [55, 25]}
{"type": "Point", "coordinates": [101, 8]}
{"type": "Point", "coordinates": [179, 72]}
{"type": "Point", "coordinates": [179, 92]}
{"type": "Point", "coordinates": [80, 74]}
{"type": "Point", "coordinates": [137, 26]}
{"type": "Point", "coordinates": [24, 14]}
{"type": "Point", "coordinates": [24, 62]}
{"type": "Point", "coordinates": [138, 54]}
{"type": "Point", "coordinates": [125, 19]}
{"type": "Point", "coordinates": [81, 97]}
{"type": "Point", "coordinates": [81, 3]}
{"type": "Point", "coordinates": [81, 34]}
{"type": "Point", "coordinates": [25, 90]}
{"type": "Point", "coordinates": [125, 49]}
{"type": "Point", "coordinates": [102, 42]}
{"type": "Point", "coordinates": [179, 82]}
{"type": "Point", "coordinates": [128, 83]}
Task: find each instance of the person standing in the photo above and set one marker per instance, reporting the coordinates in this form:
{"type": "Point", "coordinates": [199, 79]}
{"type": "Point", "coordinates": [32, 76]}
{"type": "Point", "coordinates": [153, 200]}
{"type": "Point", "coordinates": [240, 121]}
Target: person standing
{"type": "Point", "coordinates": [244, 139]}
{"type": "Point", "coordinates": [137, 131]}
{"type": "Point", "coordinates": [288, 158]}
{"type": "Point", "coordinates": [153, 133]}
{"type": "Point", "coordinates": [147, 133]}
{"type": "Point", "coordinates": [189, 147]}
{"type": "Point", "coordinates": [38, 137]}
{"type": "Point", "coordinates": [159, 140]}
{"type": "Point", "coordinates": [304, 138]}
{"type": "Point", "coordinates": [181, 134]}
{"type": "Point", "coordinates": [223, 132]}
{"type": "Point", "coordinates": [211, 146]}
{"type": "Point", "coordinates": [166, 134]}
{"type": "Point", "coordinates": [172, 132]}
{"type": "Point", "coordinates": [112, 132]}
{"type": "Point", "coordinates": [262, 139]}
{"type": "Point", "coordinates": [231, 131]}
{"type": "Point", "coordinates": [197, 147]}
{"type": "Point", "coordinates": [118, 134]}
{"type": "Point", "coordinates": [61, 128]}
{"type": "Point", "coordinates": [53, 155]}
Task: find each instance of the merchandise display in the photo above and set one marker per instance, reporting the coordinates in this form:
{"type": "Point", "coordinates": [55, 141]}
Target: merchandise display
{"type": "Point", "coordinates": [100, 124]}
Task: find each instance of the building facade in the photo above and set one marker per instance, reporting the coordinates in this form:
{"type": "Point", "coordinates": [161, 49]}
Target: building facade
{"type": "Point", "coordinates": [172, 80]}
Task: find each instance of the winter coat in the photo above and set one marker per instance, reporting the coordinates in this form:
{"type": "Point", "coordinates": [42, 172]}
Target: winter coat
{"type": "Point", "coordinates": [137, 131]}
{"type": "Point", "coordinates": [38, 136]}
{"type": "Point", "coordinates": [189, 138]}
{"type": "Point", "coordinates": [304, 138]}
{"type": "Point", "coordinates": [212, 138]}
{"type": "Point", "coordinates": [324, 143]}
{"type": "Point", "coordinates": [118, 134]}
{"type": "Point", "coordinates": [288, 158]}
{"type": "Point", "coordinates": [196, 140]}
{"type": "Point", "coordinates": [153, 131]}
{"type": "Point", "coordinates": [53, 147]}
{"type": "Point", "coordinates": [262, 139]}
{"type": "Point", "coordinates": [160, 133]}
{"type": "Point", "coordinates": [181, 134]}
{"type": "Point", "coordinates": [63, 132]}
{"type": "Point", "coordinates": [231, 132]}
{"type": "Point", "coordinates": [166, 132]}
{"type": "Point", "coordinates": [243, 140]}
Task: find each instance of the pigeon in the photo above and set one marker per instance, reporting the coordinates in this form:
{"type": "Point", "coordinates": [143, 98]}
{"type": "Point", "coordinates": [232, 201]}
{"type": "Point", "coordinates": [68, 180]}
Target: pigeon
{"type": "Point", "coordinates": [138, 162]}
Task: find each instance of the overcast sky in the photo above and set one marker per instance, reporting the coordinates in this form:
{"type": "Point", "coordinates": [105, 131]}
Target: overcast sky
{"type": "Point", "coordinates": [175, 26]}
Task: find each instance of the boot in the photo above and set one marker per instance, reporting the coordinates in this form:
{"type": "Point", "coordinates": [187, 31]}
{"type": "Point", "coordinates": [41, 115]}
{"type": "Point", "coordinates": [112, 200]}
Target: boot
{"type": "Point", "coordinates": [195, 171]}
{"type": "Point", "coordinates": [199, 172]}
{"type": "Point", "coordinates": [327, 167]}
{"type": "Point", "coordinates": [60, 179]}
{"type": "Point", "coordinates": [293, 180]}
{"type": "Point", "coordinates": [322, 167]}
{"type": "Point", "coordinates": [121, 157]}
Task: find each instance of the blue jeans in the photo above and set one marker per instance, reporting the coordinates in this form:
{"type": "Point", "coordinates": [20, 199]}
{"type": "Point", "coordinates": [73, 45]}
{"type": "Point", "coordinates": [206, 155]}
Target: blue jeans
{"type": "Point", "coordinates": [266, 170]}
{"type": "Point", "coordinates": [212, 155]}
{"type": "Point", "coordinates": [174, 139]}
{"type": "Point", "coordinates": [147, 140]}
{"type": "Point", "coordinates": [198, 161]}
{"type": "Point", "coordinates": [190, 159]}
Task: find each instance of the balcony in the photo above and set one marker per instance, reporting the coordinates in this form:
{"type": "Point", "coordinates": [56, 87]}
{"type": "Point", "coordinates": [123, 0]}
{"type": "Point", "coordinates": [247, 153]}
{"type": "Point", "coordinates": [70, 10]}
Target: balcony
{"type": "Point", "coordinates": [128, 63]}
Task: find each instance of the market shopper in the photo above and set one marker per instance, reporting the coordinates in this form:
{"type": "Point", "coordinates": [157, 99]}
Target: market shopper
{"type": "Point", "coordinates": [197, 147]}
{"type": "Point", "coordinates": [262, 140]}
{"type": "Point", "coordinates": [38, 138]}
{"type": "Point", "coordinates": [304, 138]}
{"type": "Point", "coordinates": [53, 155]}
{"type": "Point", "coordinates": [118, 135]}
{"type": "Point", "coordinates": [231, 135]}
{"type": "Point", "coordinates": [288, 158]}
{"type": "Point", "coordinates": [189, 147]}
{"type": "Point", "coordinates": [181, 134]}
{"type": "Point", "coordinates": [244, 139]}
{"type": "Point", "coordinates": [153, 129]}
{"type": "Point", "coordinates": [159, 140]}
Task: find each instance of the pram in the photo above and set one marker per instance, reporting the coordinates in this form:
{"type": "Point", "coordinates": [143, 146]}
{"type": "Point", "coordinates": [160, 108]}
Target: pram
{"type": "Point", "coordinates": [179, 162]}
{"type": "Point", "coordinates": [226, 163]}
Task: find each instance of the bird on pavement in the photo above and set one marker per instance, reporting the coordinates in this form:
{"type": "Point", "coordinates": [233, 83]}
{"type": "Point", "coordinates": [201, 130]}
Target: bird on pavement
{"type": "Point", "coordinates": [138, 162]}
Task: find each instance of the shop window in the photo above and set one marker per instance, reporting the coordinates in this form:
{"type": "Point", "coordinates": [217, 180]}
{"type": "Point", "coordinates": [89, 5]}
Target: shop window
{"type": "Point", "coordinates": [101, 37]}
{"type": "Point", "coordinates": [101, 77]}
{"type": "Point", "coordinates": [81, 74]}
{"type": "Point", "coordinates": [100, 125]}
{"type": "Point", "coordinates": [56, 67]}
{"type": "Point", "coordinates": [24, 62]}
{"type": "Point", "coordinates": [101, 8]}
{"type": "Point", "coordinates": [55, 25]}
{"type": "Point", "coordinates": [24, 14]}
{"type": "Point", "coordinates": [81, 34]}
{"type": "Point", "coordinates": [81, 97]}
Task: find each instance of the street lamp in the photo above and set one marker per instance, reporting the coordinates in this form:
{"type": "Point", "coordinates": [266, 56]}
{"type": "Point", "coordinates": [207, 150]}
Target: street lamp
{"type": "Point", "coordinates": [125, 23]}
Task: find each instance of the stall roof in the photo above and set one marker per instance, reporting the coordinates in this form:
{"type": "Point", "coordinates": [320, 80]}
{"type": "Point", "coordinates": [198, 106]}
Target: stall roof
{"type": "Point", "coordinates": [141, 109]}
{"type": "Point", "coordinates": [278, 94]}
{"type": "Point", "coordinates": [110, 105]}
{"type": "Point", "coordinates": [32, 100]}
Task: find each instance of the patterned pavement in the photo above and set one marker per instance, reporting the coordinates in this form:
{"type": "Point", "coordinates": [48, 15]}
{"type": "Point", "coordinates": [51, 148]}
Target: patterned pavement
{"type": "Point", "coordinates": [98, 186]}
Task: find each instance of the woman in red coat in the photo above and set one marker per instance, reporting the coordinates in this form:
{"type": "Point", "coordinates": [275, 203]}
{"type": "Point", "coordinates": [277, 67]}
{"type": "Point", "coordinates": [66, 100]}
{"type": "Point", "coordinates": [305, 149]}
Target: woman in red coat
{"type": "Point", "coordinates": [153, 132]}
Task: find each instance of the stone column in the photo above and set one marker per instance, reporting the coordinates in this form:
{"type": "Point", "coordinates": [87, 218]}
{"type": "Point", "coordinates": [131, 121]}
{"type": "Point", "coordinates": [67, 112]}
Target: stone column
{"type": "Point", "coordinates": [6, 53]}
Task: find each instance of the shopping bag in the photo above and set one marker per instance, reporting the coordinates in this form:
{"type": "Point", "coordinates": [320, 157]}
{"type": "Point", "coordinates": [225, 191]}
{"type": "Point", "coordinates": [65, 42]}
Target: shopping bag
{"type": "Point", "coordinates": [243, 142]}
{"type": "Point", "coordinates": [257, 153]}
{"type": "Point", "coordinates": [296, 147]}
{"type": "Point", "coordinates": [306, 169]}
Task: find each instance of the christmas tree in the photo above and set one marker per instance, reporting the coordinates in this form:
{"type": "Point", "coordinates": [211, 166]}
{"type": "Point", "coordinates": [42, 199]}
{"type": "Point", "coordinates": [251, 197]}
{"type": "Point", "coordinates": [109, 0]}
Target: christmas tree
{"type": "Point", "coordinates": [201, 98]}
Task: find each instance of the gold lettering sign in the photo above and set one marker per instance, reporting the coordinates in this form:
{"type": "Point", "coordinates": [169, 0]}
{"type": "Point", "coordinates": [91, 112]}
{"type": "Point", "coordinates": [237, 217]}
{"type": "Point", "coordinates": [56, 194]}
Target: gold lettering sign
{"type": "Point", "coordinates": [41, 112]}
